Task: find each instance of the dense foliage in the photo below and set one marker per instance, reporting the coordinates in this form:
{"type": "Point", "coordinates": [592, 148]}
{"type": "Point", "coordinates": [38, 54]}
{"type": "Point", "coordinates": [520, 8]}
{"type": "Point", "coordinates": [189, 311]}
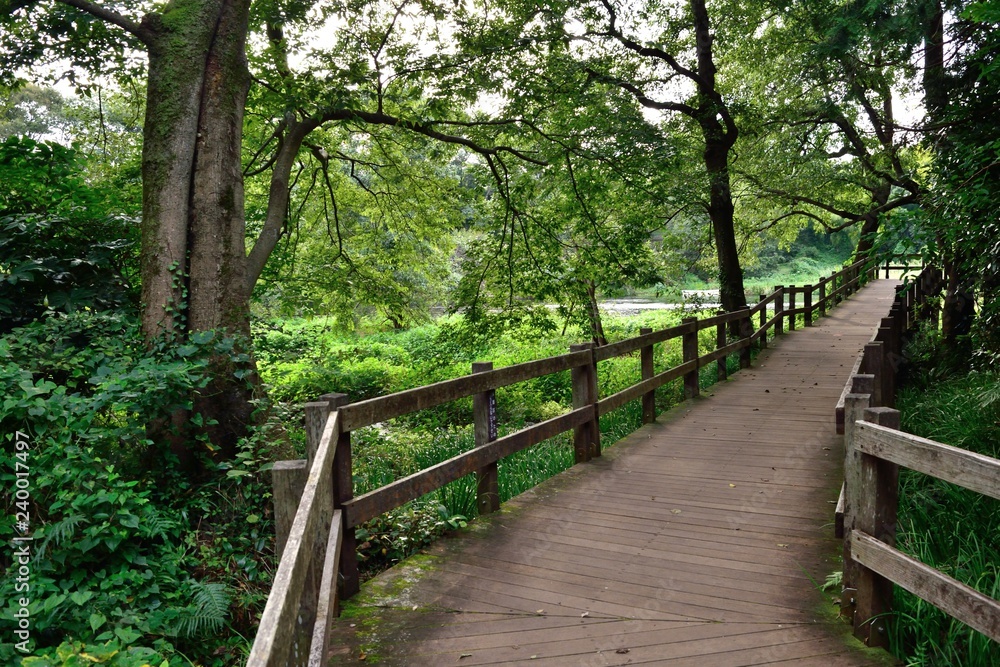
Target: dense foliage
{"type": "Point", "coordinates": [128, 548]}
{"type": "Point", "coordinates": [64, 244]}
{"type": "Point", "coordinates": [361, 169]}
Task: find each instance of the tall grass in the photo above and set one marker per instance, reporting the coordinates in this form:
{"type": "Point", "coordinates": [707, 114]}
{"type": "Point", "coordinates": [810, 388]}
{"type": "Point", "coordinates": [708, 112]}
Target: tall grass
{"type": "Point", "coordinates": [949, 528]}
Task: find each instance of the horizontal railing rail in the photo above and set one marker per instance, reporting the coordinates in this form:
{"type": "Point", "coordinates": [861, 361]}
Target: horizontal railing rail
{"type": "Point", "coordinates": [315, 507]}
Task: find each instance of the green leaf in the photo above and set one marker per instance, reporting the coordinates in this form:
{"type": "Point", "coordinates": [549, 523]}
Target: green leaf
{"type": "Point", "coordinates": [253, 518]}
{"type": "Point", "coordinates": [97, 619]}
{"type": "Point", "coordinates": [81, 597]}
{"type": "Point", "coordinates": [127, 635]}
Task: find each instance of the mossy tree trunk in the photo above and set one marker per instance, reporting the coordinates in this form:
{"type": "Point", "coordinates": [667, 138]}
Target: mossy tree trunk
{"type": "Point", "coordinates": [193, 232]}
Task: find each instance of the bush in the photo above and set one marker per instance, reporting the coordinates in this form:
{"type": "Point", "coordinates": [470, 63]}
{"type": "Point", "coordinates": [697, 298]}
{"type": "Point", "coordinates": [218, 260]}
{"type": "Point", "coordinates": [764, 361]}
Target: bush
{"type": "Point", "coordinates": [128, 550]}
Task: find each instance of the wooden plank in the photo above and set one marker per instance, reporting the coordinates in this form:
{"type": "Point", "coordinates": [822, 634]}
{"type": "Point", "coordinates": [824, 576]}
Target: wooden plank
{"type": "Point", "coordinates": [978, 611]}
{"type": "Point", "coordinates": [615, 401]}
{"type": "Point", "coordinates": [959, 466]}
{"type": "Point", "coordinates": [374, 410]}
{"type": "Point", "coordinates": [632, 344]}
{"type": "Point", "coordinates": [716, 512]}
{"type": "Point", "coordinates": [390, 496]}
{"type": "Point", "coordinates": [327, 608]}
{"type": "Point", "coordinates": [278, 623]}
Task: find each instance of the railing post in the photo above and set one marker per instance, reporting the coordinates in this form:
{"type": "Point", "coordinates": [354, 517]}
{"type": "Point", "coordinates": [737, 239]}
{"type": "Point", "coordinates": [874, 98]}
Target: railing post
{"type": "Point", "coordinates": [343, 491]}
{"type": "Point", "coordinates": [646, 367]}
{"type": "Point", "coordinates": [689, 348]}
{"type": "Point", "coordinates": [876, 515]}
{"type": "Point", "coordinates": [779, 310]}
{"type": "Point", "coordinates": [855, 404]}
{"type": "Point", "coordinates": [484, 416]}
{"type": "Point", "coordinates": [720, 341]}
{"type": "Point", "coordinates": [808, 304]}
{"type": "Point", "coordinates": [911, 317]}
{"type": "Point", "coordinates": [288, 478]}
{"type": "Point", "coordinates": [586, 436]}
{"type": "Point", "coordinates": [746, 330]}
{"type": "Point", "coordinates": [873, 364]}
{"type": "Point", "coordinates": [886, 334]}
{"type": "Point", "coordinates": [791, 307]}
{"type": "Point", "coordinates": [763, 322]}
{"type": "Point", "coordinates": [822, 297]}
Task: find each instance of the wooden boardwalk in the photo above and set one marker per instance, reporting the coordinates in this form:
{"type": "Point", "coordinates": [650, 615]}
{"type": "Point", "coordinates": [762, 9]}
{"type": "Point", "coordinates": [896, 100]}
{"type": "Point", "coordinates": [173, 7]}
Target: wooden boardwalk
{"type": "Point", "coordinates": [698, 540]}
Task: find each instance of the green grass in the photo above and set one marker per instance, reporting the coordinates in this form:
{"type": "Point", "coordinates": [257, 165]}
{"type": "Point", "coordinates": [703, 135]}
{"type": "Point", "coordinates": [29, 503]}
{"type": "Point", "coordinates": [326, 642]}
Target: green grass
{"type": "Point", "coordinates": [949, 528]}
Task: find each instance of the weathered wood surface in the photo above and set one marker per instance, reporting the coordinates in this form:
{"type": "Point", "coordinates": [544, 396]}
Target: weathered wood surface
{"type": "Point", "coordinates": [968, 605]}
{"type": "Point", "coordinates": [691, 542]}
{"type": "Point", "coordinates": [279, 623]}
{"type": "Point", "coordinates": [952, 464]}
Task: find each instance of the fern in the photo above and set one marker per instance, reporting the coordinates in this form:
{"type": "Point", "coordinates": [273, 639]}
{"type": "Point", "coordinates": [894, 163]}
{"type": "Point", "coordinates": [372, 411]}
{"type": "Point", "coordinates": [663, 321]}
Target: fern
{"type": "Point", "coordinates": [59, 532]}
{"type": "Point", "coordinates": [154, 524]}
{"type": "Point", "coordinates": [208, 612]}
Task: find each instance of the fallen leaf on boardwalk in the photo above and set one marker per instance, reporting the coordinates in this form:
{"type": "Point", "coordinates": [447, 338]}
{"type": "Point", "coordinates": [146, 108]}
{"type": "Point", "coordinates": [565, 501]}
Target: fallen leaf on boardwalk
{"type": "Point", "coordinates": [732, 486]}
{"type": "Point", "coordinates": [783, 546]}
{"type": "Point", "coordinates": [540, 612]}
{"type": "Point", "coordinates": [465, 655]}
{"type": "Point", "coordinates": [675, 511]}
{"type": "Point", "coordinates": [623, 651]}
{"type": "Point", "coordinates": [363, 656]}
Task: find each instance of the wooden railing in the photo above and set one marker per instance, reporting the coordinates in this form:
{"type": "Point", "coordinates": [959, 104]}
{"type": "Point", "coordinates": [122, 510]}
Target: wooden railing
{"type": "Point", "coordinates": [874, 450]}
{"type": "Point", "coordinates": [316, 512]}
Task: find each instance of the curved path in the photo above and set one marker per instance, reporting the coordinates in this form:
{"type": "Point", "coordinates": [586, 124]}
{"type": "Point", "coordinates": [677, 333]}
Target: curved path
{"type": "Point", "coordinates": [698, 540]}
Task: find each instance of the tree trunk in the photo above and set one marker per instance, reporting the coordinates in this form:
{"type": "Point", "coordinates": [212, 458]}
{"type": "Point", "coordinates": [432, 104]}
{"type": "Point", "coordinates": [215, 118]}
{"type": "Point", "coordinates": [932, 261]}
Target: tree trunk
{"type": "Point", "coordinates": [594, 315]}
{"type": "Point", "coordinates": [870, 224]}
{"type": "Point", "coordinates": [720, 133]}
{"type": "Point", "coordinates": [194, 255]}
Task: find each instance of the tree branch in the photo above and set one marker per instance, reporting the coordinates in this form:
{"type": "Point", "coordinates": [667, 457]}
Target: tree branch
{"type": "Point", "coordinates": [138, 30]}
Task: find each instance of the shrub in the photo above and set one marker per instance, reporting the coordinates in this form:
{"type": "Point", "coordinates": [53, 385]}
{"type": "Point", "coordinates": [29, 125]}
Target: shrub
{"type": "Point", "coordinates": [128, 551]}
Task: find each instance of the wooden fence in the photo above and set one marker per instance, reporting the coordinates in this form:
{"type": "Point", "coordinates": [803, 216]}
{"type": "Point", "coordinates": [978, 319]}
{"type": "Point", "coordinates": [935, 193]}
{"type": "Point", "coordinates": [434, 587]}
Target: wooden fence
{"type": "Point", "coordinates": [874, 450]}
{"type": "Point", "coordinates": [316, 512]}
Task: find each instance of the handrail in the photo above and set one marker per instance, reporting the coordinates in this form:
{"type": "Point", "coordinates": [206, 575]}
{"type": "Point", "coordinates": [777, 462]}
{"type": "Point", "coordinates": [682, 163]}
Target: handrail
{"type": "Point", "coordinates": [875, 449]}
{"type": "Point", "coordinates": [285, 635]}
{"type": "Point", "coordinates": [321, 539]}
{"type": "Point", "coordinates": [875, 453]}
